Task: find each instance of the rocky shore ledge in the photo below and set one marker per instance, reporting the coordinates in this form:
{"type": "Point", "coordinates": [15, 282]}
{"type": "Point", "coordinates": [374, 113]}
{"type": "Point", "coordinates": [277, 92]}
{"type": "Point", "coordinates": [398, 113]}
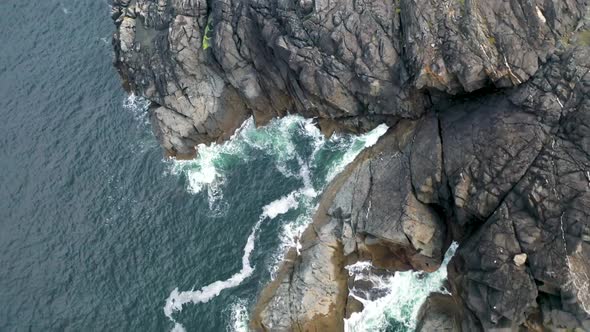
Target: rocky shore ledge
{"type": "Point", "coordinates": [488, 104]}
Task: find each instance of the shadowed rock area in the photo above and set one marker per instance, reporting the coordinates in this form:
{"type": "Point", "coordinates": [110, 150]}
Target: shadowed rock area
{"type": "Point", "coordinates": [489, 141]}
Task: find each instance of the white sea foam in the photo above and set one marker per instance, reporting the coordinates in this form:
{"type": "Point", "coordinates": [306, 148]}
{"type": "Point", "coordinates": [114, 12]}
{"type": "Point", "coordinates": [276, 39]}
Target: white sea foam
{"type": "Point", "coordinates": [291, 231]}
{"type": "Point", "coordinates": [178, 328]}
{"type": "Point", "coordinates": [238, 320]}
{"type": "Point", "coordinates": [177, 299]}
{"type": "Point", "coordinates": [280, 206]}
{"type": "Point", "coordinates": [317, 137]}
{"type": "Point", "coordinates": [203, 172]}
{"type": "Point", "coordinates": [290, 234]}
{"type": "Point", "coordinates": [138, 106]}
{"type": "Point", "coordinates": [357, 268]}
{"type": "Point", "coordinates": [406, 291]}
{"type": "Point", "coordinates": [278, 140]}
{"type": "Point", "coordinates": [206, 175]}
{"type": "Point", "coordinates": [358, 145]}
{"type": "Point", "coordinates": [372, 137]}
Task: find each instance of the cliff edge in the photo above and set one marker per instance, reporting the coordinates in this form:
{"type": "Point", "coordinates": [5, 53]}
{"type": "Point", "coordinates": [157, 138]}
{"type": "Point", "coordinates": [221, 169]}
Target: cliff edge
{"type": "Point", "coordinates": [489, 140]}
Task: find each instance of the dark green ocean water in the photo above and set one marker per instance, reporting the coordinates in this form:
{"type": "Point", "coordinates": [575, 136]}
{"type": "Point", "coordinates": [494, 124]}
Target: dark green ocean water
{"type": "Point", "coordinates": [98, 231]}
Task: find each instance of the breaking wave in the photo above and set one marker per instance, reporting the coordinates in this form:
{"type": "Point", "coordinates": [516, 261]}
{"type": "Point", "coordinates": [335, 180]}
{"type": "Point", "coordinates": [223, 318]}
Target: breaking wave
{"type": "Point", "coordinates": [277, 139]}
{"type": "Point", "coordinates": [297, 149]}
{"type": "Point", "coordinates": [404, 294]}
{"type": "Point", "coordinates": [238, 316]}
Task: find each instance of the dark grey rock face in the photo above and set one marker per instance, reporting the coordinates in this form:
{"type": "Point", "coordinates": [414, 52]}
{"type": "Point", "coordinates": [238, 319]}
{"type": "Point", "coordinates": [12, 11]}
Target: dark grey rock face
{"type": "Point", "coordinates": [208, 65]}
{"type": "Point", "coordinates": [382, 218]}
{"type": "Point", "coordinates": [543, 213]}
{"type": "Point", "coordinates": [439, 313]}
{"type": "Point", "coordinates": [489, 142]}
{"type": "Point", "coordinates": [158, 54]}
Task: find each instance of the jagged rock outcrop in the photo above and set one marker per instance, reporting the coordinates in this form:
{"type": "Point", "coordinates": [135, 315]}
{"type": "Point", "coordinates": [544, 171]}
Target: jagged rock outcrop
{"type": "Point", "coordinates": [489, 142]}
{"type": "Point", "coordinates": [207, 65]}
{"type": "Point", "coordinates": [158, 54]}
{"type": "Point", "coordinates": [364, 215]}
{"type": "Point", "coordinates": [544, 211]}
{"type": "Point", "coordinates": [440, 312]}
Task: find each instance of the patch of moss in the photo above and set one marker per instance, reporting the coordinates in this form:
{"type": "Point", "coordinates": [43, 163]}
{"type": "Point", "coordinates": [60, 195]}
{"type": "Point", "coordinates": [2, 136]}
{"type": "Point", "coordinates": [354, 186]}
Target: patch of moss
{"type": "Point", "coordinates": [206, 35]}
{"type": "Point", "coordinates": [583, 38]}
{"type": "Point", "coordinates": [462, 7]}
{"type": "Point", "coordinates": [492, 41]}
{"type": "Point", "coordinates": [398, 10]}
{"type": "Point", "coordinates": [565, 40]}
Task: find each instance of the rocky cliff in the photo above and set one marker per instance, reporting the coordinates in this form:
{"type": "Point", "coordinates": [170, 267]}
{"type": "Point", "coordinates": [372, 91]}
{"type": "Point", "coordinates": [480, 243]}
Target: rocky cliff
{"type": "Point", "coordinates": [489, 140]}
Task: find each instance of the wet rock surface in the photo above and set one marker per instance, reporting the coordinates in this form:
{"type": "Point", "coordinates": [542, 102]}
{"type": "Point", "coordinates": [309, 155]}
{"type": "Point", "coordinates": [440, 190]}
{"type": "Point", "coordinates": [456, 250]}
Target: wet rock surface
{"type": "Point", "coordinates": [489, 140]}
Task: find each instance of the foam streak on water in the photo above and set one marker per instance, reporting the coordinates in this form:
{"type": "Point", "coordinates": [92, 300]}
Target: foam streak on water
{"type": "Point", "coordinates": [176, 300]}
{"type": "Point", "coordinates": [297, 149]}
{"type": "Point", "coordinates": [138, 106]}
{"type": "Point", "coordinates": [276, 139]}
{"type": "Point", "coordinates": [405, 293]}
{"type": "Point", "coordinates": [239, 316]}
